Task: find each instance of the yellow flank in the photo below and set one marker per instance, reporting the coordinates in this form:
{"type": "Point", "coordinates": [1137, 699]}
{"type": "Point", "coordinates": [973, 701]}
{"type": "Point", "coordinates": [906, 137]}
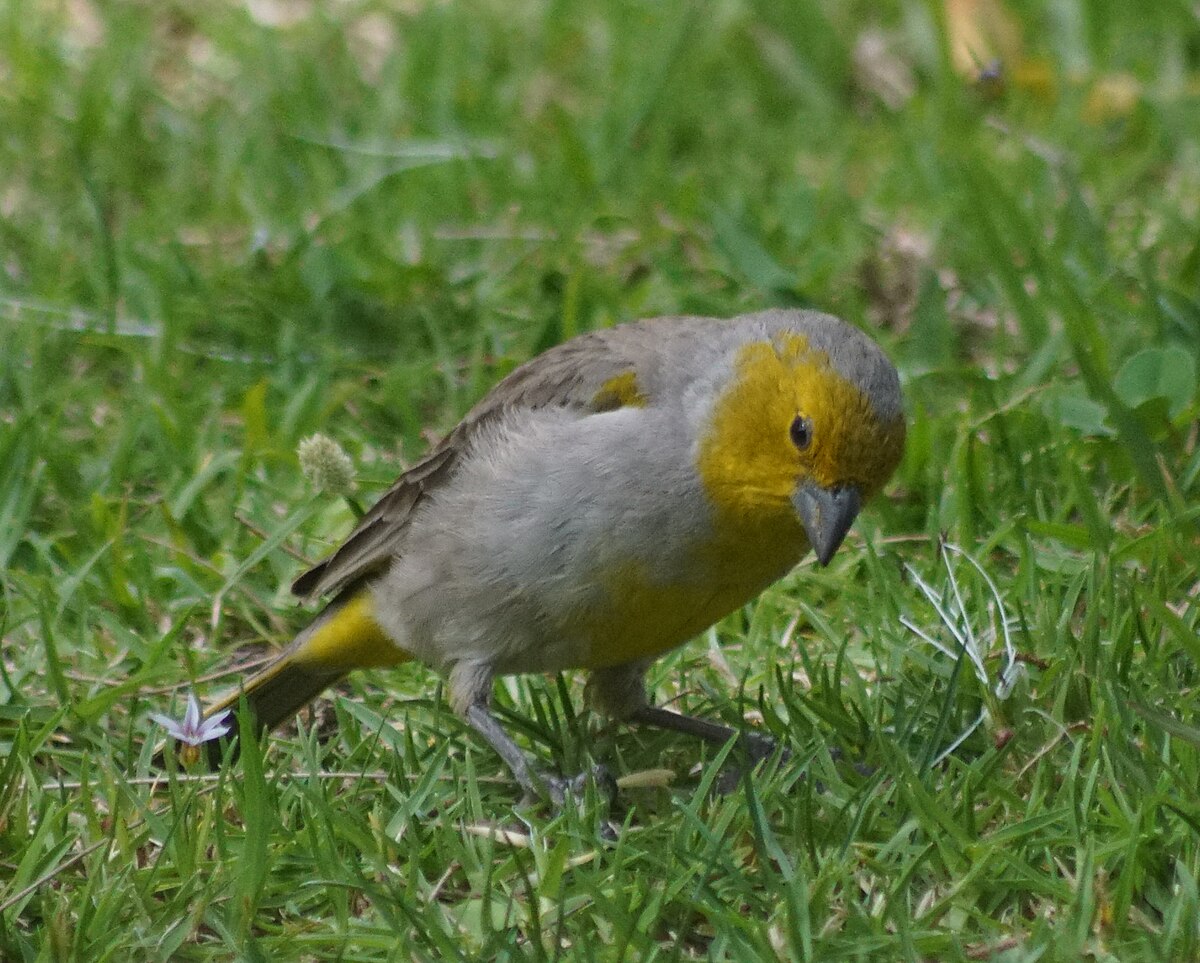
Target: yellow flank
{"type": "Point", "coordinates": [646, 617]}
{"type": "Point", "coordinates": [351, 639]}
{"type": "Point", "coordinates": [747, 460]}
{"type": "Point", "coordinates": [621, 391]}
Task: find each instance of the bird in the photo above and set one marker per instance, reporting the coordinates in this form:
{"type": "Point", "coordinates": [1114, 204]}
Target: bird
{"type": "Point", "coordinates": [604, 503]}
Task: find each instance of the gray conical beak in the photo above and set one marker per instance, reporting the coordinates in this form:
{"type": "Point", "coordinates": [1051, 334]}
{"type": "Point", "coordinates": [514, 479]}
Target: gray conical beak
{"type": "Point", "coordinates": [826, 515]}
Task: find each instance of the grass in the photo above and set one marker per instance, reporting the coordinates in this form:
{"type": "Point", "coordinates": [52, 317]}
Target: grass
{"type": "Point", "coordinates": [224, 228]}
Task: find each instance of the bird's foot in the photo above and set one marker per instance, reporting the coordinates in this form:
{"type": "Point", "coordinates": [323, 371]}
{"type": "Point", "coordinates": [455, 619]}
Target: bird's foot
{"type": "Point", "coordinates": [751, 749]}
{"type": "Point", "coordinates": [561, 790]}
{"type": "Point", "coordinates": [566, 792]}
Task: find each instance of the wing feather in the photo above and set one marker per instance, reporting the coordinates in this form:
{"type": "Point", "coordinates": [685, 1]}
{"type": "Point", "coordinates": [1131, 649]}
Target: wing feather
{"type": "Point", "coordinates": [579, 374]}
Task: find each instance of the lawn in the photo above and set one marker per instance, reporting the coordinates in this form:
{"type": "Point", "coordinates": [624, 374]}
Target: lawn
{"type": "Point", "coordinates": [226, 227]}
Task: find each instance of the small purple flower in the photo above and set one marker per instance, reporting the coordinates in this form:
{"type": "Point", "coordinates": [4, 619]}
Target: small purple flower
{"type": "Point", "coordinates": [192, 730]}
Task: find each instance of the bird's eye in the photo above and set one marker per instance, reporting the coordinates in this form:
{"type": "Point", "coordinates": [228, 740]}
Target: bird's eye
{"type": "Point", "coordinates": [801, 432]}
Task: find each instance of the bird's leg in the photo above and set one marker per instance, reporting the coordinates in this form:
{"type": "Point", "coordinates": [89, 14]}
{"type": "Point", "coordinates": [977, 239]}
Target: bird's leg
{"type": "Point", "coordinates": [470, 688]}
{"type": "Point", "coordinates": [620, 692]}
{"type": "Point", "coordinates": [757, 746]}
{"type": "Point", "coordinates": [480, 718]}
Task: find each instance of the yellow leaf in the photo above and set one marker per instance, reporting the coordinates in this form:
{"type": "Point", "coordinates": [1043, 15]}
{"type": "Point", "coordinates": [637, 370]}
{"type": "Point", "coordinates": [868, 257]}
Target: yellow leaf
{"type": "Point", "coordinates": [980, 32]}
{"type": "Point", "coordinates": [1112, 96]}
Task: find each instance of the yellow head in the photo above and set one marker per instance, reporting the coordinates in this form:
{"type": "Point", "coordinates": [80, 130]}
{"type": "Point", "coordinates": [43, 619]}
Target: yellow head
{"type": "Point", "coordinates": [802, 435]}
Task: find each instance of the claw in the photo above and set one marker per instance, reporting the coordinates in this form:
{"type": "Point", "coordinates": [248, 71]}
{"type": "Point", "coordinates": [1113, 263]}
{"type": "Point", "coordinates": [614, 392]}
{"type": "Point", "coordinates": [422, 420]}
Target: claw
{"type": "Point", "coordinates": [560, 788]}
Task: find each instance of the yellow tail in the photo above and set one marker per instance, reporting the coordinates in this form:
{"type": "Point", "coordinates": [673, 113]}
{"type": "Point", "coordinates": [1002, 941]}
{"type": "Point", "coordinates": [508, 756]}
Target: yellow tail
{"type": "Point", "coordinates": [345, 636]}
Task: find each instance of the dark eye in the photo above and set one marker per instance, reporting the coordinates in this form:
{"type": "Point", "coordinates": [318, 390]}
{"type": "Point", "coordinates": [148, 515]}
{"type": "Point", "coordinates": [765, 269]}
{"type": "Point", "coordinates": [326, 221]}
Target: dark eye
{"type": "Point", "coordinates": [801, 432]}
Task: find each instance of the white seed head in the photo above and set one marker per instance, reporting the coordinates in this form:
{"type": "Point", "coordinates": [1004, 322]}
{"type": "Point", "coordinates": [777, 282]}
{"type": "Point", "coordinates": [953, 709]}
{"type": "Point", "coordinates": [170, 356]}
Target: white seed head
{"type": "Point", "coordinates": [326, 465]}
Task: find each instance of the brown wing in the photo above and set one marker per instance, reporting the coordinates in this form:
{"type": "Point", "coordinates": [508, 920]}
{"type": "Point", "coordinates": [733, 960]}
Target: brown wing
{"type": "Point", "coordinates": [594, 372]}
{"type": "Point", "coordinates": [366, 549]}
